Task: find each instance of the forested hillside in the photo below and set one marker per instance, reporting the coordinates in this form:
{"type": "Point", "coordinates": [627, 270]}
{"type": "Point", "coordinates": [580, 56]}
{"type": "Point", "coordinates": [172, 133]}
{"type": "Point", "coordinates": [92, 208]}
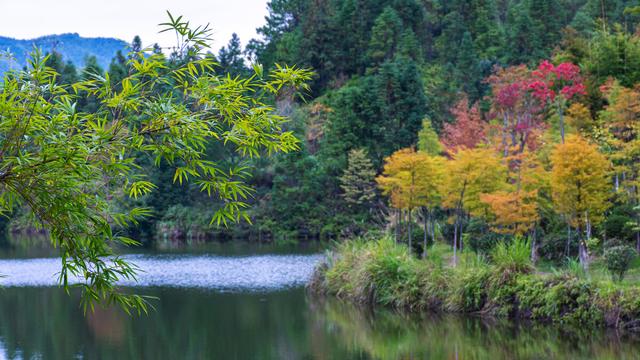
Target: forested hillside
{"type": "Point", "coordinates": [387, 69]}
{"type": "Point", "coordinates": [390, 75]}
{"type": "Point", "coordinates": [72, 47]}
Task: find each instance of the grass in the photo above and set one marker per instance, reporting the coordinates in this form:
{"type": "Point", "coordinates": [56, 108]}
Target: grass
{"type": "Point", "coordinates": [504, 284]}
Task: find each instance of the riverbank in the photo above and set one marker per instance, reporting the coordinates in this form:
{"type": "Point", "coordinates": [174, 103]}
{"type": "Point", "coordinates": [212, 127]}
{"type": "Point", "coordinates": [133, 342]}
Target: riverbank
{"type": "Point", "coordinates": [381, 272]}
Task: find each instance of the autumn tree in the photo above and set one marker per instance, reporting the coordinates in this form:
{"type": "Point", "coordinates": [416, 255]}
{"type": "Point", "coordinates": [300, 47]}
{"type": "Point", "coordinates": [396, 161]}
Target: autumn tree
{"type": "Point", "coordinates": [580, 187]}
{"type": "Point", "coordinates": [467, 130]}
{"type": "Point", "coordinates": [516, 209]}
{"type": "Point", "coordinates": [620, 121]}
{"type": "Point", "coordinates": [469, 174]}
{"type": "Point", "coordinates": [519, 112]}
{"type": "Point", "coordinates": [358, 180]}
{"type": "Point", "coordinates": [556, 85]}
{"type": "Point", "coordinates": [412, 180]}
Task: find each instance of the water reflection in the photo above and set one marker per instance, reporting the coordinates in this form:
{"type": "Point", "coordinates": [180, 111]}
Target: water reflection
{"type": "Point", "coordinates": [196, 324]}
{"type": "Point", "coordinates": [384, 334]}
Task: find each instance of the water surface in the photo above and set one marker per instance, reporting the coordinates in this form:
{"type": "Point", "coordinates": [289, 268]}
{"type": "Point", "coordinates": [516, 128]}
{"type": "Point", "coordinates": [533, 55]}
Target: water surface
{"type": "Point", "coordinates": [245, 302]}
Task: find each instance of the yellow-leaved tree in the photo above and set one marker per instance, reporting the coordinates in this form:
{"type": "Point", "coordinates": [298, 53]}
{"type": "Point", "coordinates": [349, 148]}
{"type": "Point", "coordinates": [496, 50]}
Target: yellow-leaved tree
{"type": "Point", "coordinates": [412, 180]}
{"type": "Point", "coordinates": [580, 187]}
{"type": "Point", "coordinates": [469, 174]}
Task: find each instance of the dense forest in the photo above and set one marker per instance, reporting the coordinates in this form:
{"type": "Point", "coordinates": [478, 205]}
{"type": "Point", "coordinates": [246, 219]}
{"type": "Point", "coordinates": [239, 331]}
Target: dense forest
{"type": "Point", "coordinates": [470, 99]}
{"type": "Point", "coordinates": [485, 89]}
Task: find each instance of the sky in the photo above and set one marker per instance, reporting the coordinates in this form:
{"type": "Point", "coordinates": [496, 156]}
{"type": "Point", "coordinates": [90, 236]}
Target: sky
{"type": "Point", "coordinates": [123, 19]}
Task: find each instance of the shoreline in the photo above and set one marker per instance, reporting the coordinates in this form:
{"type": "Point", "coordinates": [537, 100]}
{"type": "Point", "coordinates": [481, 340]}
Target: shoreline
{"type": "Point", "coordinates": [382, 273]}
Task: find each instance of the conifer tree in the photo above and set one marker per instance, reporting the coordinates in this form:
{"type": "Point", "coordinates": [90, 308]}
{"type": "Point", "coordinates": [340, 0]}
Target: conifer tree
{"type": "Point", "coordinates": [358, 180]}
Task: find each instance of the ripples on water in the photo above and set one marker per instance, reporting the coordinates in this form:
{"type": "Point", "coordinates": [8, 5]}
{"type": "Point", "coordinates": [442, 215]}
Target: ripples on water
{"type": "Point", "coordinates": [249, 273]}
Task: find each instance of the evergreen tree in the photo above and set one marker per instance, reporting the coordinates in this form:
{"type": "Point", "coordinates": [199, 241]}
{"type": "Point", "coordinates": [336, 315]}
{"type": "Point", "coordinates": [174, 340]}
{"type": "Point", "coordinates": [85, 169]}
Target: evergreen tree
{"type": "Point", "coordinates": [467, 68]}
{"type": "Point", "coordinates": [118, 69]}
{"type": "Point", "coordinates": [230, 57]}
{"type": "Point", "coordinates": [358, 180]}
{"type": "Point", "coordinates": [136, 44]}
{"type": "Point", "coordinates": [428, 141]}
{"type": "Point", "coordinates": [69, 73]}
{"type": "Point", "coordinates": [385, 36]}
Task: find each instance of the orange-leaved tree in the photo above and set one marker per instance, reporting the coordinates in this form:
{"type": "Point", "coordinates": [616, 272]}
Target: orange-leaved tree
{"type": "Point", "coordinates": [515, 209]}
{"type": "Point", "coordinates": [621, 124]}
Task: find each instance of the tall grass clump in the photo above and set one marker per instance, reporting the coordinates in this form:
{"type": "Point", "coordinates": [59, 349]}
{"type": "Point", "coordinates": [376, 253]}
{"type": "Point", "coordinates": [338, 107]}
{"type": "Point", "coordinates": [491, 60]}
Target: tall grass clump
{"type": "Point", "coordinates": [575, 269]}
{"type": "Point", "coordinates": [514, 256]}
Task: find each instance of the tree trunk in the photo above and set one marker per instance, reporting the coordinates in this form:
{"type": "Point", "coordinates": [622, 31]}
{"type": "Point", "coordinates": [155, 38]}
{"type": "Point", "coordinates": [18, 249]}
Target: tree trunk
{"type": "Point", "coordinates": [426, 226]}
{"type": "Point", "coordinates": [409, 228]}
{"type": "Point", "coordinates": [567, 247]}
{"type": "Point", "coordinates": [638, 232]}
{"type": "Point", "coordinates": [460, 238]}
{"type": "Point", "coordinates": [455, 241]}
{"type": "Point", "coordinates": [583, 253]}
{"type": "Point", "coordinates": [397, 224]}
{"type": "Point", "coordinates": [432, 227]}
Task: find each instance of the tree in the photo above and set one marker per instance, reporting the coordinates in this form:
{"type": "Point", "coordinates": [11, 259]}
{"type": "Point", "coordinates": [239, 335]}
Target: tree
{"type": "Point", "coordinates": [428, 141]}
{"type": "Point", "coordinates": [118, 69]}
{"type": "Point", "coordinates": [412, 179]}
{"type": "Point", "coordinates": [230, 57]}
{"type": "Point", "coordinates": [621, 122]}
{"type": "Point", "coordinates": [64, 164]}
{"type": "Point", "coordinates": [557, 85]}
{"type": "Point", "coordinates": [469, 174]}
{"type": "Point", "coordinates": [516, 209]}
{"type": "Point", "coordinates": [385, 36]}
{"type": "Point", "coordinates": [467, 130]}
{"type": "Point", "coordinates": [358, 179]}
{"type": "Point", "coordinates": [136, 46]}
{"type": "Point", "coordinates": [519, 112]}
{"type": "Point", "coordinates": [468, 68]}
{"type": "Point", "coordinates": [618, 259]}
{"type": "Point", "coordinates": [580, 187]}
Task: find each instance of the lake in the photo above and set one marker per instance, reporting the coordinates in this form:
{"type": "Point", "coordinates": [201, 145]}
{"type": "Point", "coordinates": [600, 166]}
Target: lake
{"type": "Point", "coordinates": [248, 302]}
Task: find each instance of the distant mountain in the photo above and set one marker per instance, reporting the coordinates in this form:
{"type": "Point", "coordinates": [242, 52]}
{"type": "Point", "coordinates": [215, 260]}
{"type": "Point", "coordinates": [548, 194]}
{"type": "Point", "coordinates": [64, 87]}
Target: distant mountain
{"type": "Point", "coordinates": [73, 47]}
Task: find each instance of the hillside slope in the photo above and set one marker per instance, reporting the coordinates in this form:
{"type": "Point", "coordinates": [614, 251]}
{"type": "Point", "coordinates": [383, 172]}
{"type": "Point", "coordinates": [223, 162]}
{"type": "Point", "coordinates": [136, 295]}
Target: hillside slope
{"type": "Point", "coordinates": [72, 47]}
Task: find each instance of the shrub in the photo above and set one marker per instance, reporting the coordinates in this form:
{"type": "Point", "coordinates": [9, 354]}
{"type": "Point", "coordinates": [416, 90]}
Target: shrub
{"type": "Point", "coordinates": [618, 259]}
{"type": "Point", "coordinates": [480, 238]}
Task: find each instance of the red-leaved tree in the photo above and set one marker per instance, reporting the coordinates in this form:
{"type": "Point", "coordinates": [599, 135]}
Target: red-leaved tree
{"type": "Point", "coordinates": [518, 107]}
{"type": "Point", "coordinates": [467, 130]}
{"type": "Point", "coordinates": [556, 85]}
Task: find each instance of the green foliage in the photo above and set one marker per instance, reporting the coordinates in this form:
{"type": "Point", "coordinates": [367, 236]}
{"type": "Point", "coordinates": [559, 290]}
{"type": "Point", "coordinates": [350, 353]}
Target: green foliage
{"type": "Point", "coordinates": [358, 179]}
{"type": "Point", "coordinates": [513, 256]}
{"type": "Point", "coordinates": [575, 269]}
{"type": "Point", "coordinates": [618, 260]}
{"type": "Point", "coordinates": [428, 141]}
{"type": "Point", "coordinates": [63, 159]}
